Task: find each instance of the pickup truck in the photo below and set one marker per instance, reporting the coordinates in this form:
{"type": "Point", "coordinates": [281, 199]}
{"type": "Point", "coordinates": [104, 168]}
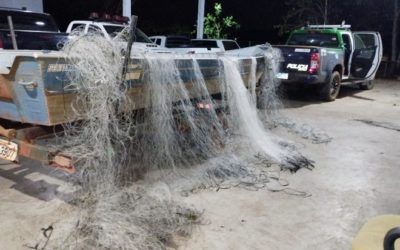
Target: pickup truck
{"type": "Point", "coordinates": [327, 56]}
{"type": "Point", "coordinates": [109, 30]}
{"type": "Point", "coordinates": [33, 31]}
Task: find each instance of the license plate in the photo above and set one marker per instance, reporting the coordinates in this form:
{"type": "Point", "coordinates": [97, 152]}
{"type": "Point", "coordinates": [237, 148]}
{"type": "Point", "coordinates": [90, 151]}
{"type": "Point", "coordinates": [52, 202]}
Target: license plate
{"type": "Point", "coordinates": [8, 150]}
{"type": "Point", "coordinates": [283, 76]}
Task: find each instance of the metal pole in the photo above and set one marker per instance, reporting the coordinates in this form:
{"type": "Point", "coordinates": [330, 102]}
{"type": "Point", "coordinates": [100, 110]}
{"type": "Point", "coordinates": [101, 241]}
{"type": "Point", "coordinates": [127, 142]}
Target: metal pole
{"type": "Point", "coordinates": [12, 32]}
{"type": "Point", "coordinates": [326, 12]}
{"type": "Point", "coordinates": [131, 40]}
{"type": "Point", "coordinates": [200, 19]}
{"type": "Point", "coordinates": [127, 8]}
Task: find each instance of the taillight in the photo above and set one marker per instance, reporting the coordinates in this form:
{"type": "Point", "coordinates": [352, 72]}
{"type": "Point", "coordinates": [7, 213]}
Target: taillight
{"type": "Point", "coordinates": [202, 105]}
{"type": "Point", "coordinates": [314, 63]}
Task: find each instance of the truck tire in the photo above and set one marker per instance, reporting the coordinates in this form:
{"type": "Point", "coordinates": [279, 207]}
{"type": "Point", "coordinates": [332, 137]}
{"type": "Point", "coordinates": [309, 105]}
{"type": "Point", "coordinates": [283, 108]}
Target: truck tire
{"type": "Point", "coordinates": [367, 85]}
{"type": "Point", "coordinates": [330, 89]}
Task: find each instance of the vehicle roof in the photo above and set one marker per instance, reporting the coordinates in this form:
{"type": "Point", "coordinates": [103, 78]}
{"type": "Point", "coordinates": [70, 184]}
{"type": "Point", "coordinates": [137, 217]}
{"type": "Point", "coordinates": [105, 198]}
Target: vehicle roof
{"type": "Point", "coordinates": [100, 22]}
{"type": "Point", "coordinates": [170, 36]}
{"type": "Point", "coordinates": [213, 40]}
{"type": "Point", "coordinates": [21, 10]}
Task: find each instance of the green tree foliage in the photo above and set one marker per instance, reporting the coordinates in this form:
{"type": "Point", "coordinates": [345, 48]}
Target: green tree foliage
{"type": "Point", "coordinates": [216, 26]}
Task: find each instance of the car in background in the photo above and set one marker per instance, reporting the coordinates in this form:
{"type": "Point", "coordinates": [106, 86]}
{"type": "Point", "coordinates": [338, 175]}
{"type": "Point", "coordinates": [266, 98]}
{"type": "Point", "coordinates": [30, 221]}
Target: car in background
{"type": "Point", "coordinates": [326, 56]}
{"type": "Point", "coordinates": [218, 45]}
{"type": "Point", "coordinates": [23, 32]}
{"type": "Point", "coordinates": [110, 28]}
{"type": "Point", "coordinates": [182, 44]}
{"type": "Point", "coordinates": [26, 30]}
{"type": "Point", "coordinates": [171, 41]}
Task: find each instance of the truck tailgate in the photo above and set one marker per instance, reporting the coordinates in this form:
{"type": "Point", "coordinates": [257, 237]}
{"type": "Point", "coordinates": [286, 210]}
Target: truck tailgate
{"type": "Point", "coordinates": [295, 59]}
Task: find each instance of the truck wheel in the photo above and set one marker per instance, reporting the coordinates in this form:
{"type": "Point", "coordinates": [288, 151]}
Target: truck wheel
{"type": "Point", "coordinates": [367, 85]}
{"type": "Point", "coordinates": [330, 90]}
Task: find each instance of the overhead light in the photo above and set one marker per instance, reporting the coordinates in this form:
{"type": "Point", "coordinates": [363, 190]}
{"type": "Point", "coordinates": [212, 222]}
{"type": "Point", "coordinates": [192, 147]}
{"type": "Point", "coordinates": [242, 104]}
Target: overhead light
{"type": "Point", "coordinates": [40, 23]}
{"type": "Point", "coordinates": [106, 17]}
{"type": "Point", "coordinates": [93, 16]}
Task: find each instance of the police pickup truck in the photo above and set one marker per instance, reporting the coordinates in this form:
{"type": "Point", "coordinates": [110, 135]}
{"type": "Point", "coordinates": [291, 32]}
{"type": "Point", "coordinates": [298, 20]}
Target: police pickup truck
{"type": "Point", "coordinates": [329, 55]}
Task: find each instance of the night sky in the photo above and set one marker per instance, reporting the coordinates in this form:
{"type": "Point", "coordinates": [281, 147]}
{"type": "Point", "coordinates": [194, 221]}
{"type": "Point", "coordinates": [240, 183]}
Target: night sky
{"type": "Point", "coordinates": [257, 18]}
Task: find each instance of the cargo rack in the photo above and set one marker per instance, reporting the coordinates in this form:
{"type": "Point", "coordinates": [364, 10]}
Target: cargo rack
{"type": "Point", "coordinates": [329, 26]}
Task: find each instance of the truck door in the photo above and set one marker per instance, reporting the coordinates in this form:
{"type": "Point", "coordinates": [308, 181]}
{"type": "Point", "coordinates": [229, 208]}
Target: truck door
{"type": "Point", "coordinates": [348, 49]}
{"type": "Point", "coordinates": [367, 55]}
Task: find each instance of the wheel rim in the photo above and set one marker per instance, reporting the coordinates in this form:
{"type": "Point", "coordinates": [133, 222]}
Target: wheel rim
{"type": "Point", "coordinates": [335, 86]}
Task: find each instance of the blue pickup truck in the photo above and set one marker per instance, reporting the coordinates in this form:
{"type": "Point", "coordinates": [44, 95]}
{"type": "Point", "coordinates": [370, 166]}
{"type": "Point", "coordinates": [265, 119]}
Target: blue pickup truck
{"type": "Point", "coordinates": [327, 56]}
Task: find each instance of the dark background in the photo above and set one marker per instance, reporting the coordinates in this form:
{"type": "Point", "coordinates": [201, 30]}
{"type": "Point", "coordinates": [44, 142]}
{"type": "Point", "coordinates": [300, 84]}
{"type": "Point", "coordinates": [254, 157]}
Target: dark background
{"type": "Point", "coordinates": [257, 18]}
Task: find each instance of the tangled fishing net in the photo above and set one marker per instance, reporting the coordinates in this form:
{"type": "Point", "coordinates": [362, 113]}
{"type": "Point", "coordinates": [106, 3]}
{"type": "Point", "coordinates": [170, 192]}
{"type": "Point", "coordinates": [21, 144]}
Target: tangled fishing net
{"type": "Point", "coordinates": [270, 100]}
{"type": "Point", "coordinates": [176, 121]}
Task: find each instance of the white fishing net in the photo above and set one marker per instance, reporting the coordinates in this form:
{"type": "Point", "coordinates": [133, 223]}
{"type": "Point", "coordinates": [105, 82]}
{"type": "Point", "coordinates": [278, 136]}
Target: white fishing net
{"type": "Point", "coordinates": [185, 121]}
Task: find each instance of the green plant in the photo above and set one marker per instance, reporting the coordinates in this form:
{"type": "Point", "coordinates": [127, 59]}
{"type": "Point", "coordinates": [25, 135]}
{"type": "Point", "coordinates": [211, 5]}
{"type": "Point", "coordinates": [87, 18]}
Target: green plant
{"type": "Point", "coordinates": [216, 26]}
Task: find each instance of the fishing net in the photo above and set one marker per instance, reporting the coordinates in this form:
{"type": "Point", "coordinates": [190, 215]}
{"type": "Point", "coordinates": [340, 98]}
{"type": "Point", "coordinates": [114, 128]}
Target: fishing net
{"type": "Point", "coordinates": [163, 125]}
{"type": "Point", "coordinates": [270, 98]}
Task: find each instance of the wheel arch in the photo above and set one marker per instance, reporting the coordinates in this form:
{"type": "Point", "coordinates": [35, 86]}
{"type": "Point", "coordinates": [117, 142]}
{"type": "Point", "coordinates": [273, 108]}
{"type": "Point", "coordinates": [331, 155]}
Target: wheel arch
{"type": "Point", "coordinates": [338, 68]}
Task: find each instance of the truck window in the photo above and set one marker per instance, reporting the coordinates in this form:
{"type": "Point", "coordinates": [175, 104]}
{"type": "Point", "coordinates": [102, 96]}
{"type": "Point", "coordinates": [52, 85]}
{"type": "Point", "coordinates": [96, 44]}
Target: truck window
{"type": "Point", "coordinates": [358, 42]}
{"type": "Point", "coordinates": [95, 29]}
{"type": "Point", "coordinates": [28, 21]}
{"type": "Point", "coordinates": [364, 41]}
{"type": "Point", "coordinates": [141, 37]}
{"type": "Point", "coordinates": [177, 42]}
{"type": "Point", "coordinates": [230, 45]}
{"type": "Point", "coordinates": [204, 44]}
{"type": "Point", "coordinates": [78, 27]}
{"type": "Point", "coordinates": [314, 39]}
{"type": "Point", "coordinates": [113, 30]}
{"type": "Point", "coordinates": [158, 41]}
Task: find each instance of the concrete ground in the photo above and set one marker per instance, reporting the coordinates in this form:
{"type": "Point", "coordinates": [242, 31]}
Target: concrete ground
{"type": "Point", "coordinates": [357, 176]}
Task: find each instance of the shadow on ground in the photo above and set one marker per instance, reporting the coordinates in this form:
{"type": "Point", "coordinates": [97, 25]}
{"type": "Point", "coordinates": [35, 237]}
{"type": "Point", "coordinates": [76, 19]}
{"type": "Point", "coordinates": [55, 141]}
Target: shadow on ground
{"type": "Point", "coordinates": [300, 97]}
{"type": "Point", "coordinates": [41, 189]}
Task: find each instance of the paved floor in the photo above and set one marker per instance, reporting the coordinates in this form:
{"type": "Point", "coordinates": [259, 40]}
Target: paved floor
{"type": "Point", "coordinates": [357, 176]}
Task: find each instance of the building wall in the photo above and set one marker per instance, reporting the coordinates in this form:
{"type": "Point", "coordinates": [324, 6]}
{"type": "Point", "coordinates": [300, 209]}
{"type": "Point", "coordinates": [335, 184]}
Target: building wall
{"type": "Point", "coordinates": [33, 5]}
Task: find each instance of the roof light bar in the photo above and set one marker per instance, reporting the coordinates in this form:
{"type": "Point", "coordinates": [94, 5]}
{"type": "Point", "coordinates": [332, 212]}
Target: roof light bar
{"type": "Point", "coordinates": [108, 18]}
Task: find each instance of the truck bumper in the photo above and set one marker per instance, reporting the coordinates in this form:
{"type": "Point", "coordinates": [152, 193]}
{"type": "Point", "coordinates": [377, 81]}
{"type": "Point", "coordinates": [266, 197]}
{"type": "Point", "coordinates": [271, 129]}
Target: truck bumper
{"type": "Point", "coordinates": [306, 79]}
